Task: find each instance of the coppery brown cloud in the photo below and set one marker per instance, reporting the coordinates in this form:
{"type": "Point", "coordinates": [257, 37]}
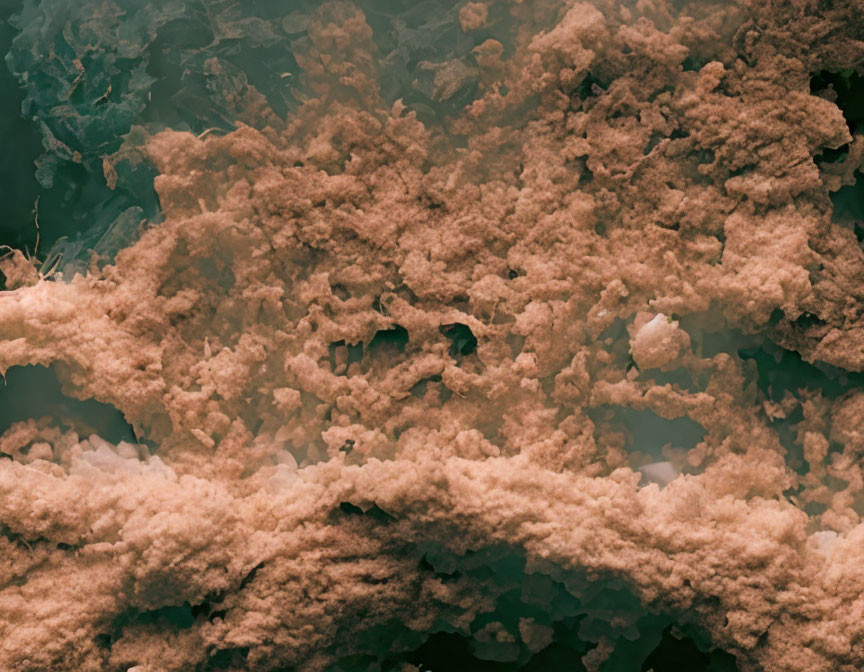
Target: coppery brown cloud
{"type": "Point", "coordinates": [365, 352]}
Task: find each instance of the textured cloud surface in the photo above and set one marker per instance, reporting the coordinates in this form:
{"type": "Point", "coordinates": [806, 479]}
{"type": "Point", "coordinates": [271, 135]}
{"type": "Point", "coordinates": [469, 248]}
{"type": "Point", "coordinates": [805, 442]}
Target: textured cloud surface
{"type": "Point", "coordinates": [503, 366]}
